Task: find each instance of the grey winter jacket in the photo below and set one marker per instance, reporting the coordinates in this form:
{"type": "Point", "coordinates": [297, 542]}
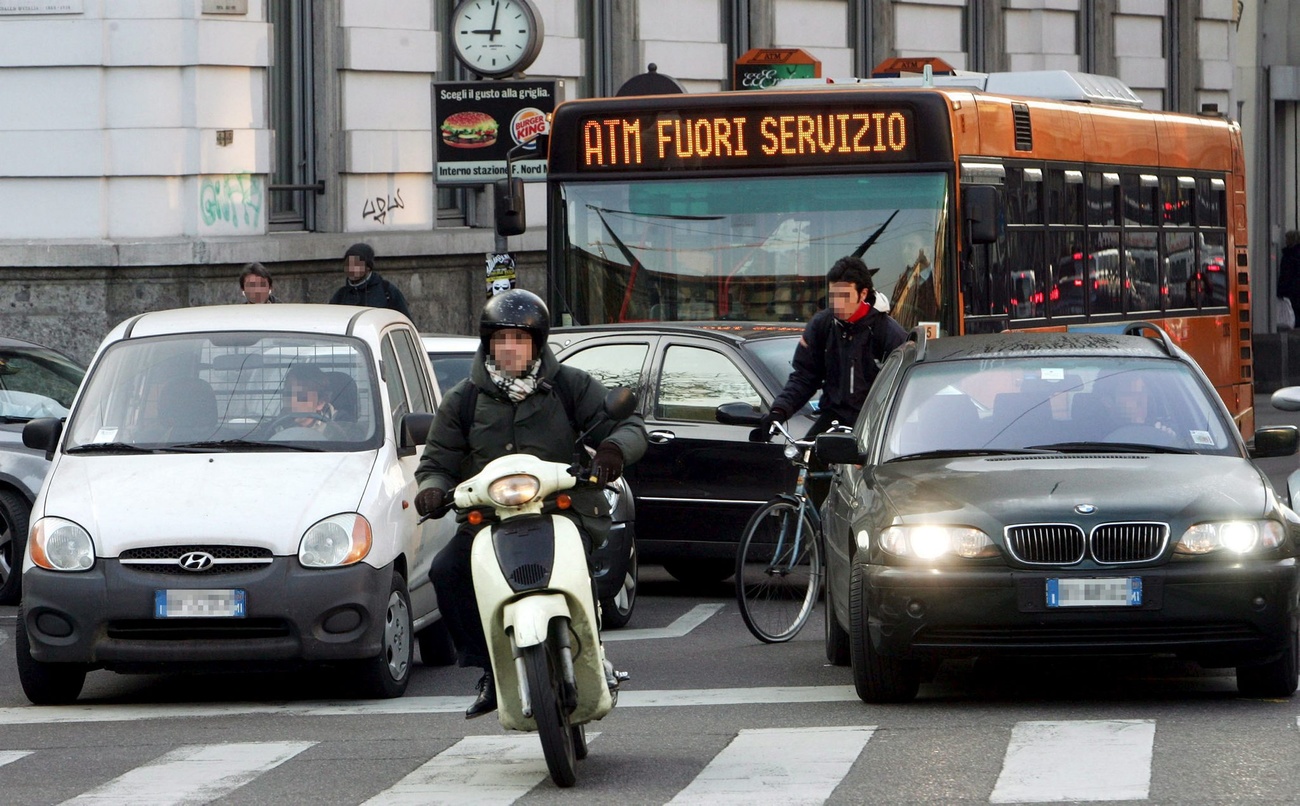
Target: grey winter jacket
{"type": "Point", "coordinates": [538, 425]}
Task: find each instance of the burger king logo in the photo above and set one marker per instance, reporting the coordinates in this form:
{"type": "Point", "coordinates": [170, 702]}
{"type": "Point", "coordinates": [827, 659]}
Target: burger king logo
{"type": "Point", "coordinates": [528, 123]}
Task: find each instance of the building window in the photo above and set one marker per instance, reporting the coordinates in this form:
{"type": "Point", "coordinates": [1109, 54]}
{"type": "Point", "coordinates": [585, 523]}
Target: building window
{"type": "Point", "coordinates": [292, 113]}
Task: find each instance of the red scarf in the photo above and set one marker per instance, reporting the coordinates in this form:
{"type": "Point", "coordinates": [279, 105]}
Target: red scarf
{"type": "Point", "coordinates": [863, 309]}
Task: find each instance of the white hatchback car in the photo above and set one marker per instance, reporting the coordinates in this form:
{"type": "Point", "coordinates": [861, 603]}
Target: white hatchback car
{"type": "Point", "coordinates": [234, 488]}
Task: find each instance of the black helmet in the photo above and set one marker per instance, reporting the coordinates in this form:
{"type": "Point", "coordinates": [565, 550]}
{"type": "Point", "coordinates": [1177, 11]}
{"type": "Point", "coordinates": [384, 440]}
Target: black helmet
{"type": "Point", "coordinates": [519, 309]}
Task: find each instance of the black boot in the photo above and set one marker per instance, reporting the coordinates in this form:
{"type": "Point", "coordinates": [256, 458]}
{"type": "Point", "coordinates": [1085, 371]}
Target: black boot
{"type": "Point", "coordinates": [486, 702]}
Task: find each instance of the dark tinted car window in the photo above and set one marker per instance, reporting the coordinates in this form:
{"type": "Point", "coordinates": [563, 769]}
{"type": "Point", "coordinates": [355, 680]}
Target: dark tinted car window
{"type": "Point", "coordinates": [36, 383]}
{"type": "Point", "coordinates": [695, 381]}
{"type": "Point", "coordinates": [777, 355]}
{"type": "Point", "coordinates": [612, 364]}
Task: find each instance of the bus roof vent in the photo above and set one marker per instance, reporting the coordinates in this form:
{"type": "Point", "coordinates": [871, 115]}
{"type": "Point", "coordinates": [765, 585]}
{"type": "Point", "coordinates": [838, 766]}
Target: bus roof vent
{"type": "Point", "coordinates": [1064, 85]}
{"type": "Point", "coordinates": [1024, 132]}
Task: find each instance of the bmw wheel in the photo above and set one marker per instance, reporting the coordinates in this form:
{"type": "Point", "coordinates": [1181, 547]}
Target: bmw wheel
{"type": "Point", "coordinates": [877, 678]}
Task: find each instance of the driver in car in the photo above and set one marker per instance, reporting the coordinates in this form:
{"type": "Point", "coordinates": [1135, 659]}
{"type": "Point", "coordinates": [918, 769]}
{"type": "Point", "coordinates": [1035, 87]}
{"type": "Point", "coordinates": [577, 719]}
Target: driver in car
{"type": "Point", "coordinates": [306, 391]}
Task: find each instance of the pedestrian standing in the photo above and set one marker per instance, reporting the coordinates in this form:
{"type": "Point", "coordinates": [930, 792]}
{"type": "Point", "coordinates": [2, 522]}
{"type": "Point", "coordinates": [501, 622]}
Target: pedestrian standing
{"type": "Point", "coordinates": [1288, 275]}
{"type": "Point", "coordinates": [255, 284]}
{"type": "Point", "coordinates": [364, 286]}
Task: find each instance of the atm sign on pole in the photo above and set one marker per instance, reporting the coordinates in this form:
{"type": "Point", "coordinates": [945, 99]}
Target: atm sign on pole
{"type": "Point", "coordinates": [763, 67]}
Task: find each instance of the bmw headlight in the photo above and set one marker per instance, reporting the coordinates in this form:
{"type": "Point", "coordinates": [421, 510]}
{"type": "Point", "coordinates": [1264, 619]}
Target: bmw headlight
{"type": "Point", "coordinates": [1236, 537]}
{"type": "Point", "coordinates": [514, 491]}
{"type": "Point", "coordinates": [61, 545]}
{"type": "Point", "coordinates": [930, 542]}
{"type": "Point", "coordinates": [336, 541]}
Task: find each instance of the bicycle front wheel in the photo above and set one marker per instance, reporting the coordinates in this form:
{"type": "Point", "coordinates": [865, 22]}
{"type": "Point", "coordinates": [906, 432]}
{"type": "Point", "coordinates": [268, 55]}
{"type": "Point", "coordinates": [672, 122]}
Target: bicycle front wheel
{"type": "Point", "coordinates": [778, 571]}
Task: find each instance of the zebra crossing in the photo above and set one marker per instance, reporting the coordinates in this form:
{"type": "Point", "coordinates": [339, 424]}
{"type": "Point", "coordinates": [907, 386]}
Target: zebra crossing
{"type": "Point", "coordinates": [1083, 760]}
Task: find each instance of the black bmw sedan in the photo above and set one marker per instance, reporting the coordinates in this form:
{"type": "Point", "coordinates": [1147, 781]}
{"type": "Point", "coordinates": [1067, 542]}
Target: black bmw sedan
{"type": "Point", "coordinates": [1055, 493]}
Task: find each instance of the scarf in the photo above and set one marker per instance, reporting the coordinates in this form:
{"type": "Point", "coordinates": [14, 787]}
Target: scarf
{"type": "Point", "coordinates": [515, 388]}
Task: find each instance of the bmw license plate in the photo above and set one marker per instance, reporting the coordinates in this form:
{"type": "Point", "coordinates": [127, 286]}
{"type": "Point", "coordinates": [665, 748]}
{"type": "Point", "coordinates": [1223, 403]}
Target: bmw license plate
{"type": "Point", "coordinates": [1106, 592]}
{"type": "Point", "coordinates": [202, 603]}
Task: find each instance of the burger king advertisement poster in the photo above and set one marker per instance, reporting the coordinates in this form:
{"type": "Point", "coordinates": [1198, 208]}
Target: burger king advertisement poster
{"type": "Point", "coordinates": [476, 123]}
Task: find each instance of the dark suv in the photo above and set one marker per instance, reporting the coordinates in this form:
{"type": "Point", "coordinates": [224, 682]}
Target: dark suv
{"type": "Point", "coordinates": [700, 480]}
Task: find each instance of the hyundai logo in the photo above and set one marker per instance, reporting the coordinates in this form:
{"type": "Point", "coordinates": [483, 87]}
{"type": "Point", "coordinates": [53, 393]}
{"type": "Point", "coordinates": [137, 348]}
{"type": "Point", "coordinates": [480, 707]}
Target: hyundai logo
{"type": "Point", "coordinates": [196, 561]}
{"type": "Point", "coordinates": [1085, 509]}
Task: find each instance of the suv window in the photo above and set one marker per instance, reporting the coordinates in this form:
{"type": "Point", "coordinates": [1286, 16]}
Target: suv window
{"type": "Point", "coordinates": [612, 364]}
{"type": "Point", "coordinates": [695, 381]}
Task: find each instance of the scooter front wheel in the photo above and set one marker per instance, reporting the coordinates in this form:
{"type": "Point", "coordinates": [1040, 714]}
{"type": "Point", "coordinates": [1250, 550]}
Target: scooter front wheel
{"type": "Point", "coordinates": [544, 680]}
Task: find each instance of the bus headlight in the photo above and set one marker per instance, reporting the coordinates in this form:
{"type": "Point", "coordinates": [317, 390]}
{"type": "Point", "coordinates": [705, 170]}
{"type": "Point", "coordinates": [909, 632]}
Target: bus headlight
{"type": "Point", "coordinates": [61, 545]}
{"type": "Point", "coordinates": [929, 542]}
{"type": "Point", "coordinates": [338, 540]}
{"type": "Point", "coordinates": [1237, 537]}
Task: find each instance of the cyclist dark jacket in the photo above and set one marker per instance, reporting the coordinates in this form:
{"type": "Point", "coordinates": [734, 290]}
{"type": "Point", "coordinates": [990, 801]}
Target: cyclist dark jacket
{"type": "Point", "coordinates": [538, 425]}
{"type": "Point", "coordinates": [840, 358]}
{"type": "Point", "coordinates": [373, 292]}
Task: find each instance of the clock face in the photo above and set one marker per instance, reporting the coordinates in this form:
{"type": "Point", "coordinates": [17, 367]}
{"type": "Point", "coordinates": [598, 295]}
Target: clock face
{"type": "Point", "coordinates": [496, 37]}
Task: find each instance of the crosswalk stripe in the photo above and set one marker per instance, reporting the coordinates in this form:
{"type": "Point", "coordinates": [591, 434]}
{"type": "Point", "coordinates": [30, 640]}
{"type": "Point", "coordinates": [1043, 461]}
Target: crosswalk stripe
{"type": "Point", "coordinates": [1077, 761]}
{"type": "Point", "coordinates": [684, 624]}
{"type": "Point", "coordinates": [476, 771]}
{"type": "Point", "coordinates": [193, 774]}
{"type": "Point", "coordinates": [10, 756]}
{"type": "Point", "coordinates": [789, 766]}
{"type": "Point", "coordinates": [629, 697]}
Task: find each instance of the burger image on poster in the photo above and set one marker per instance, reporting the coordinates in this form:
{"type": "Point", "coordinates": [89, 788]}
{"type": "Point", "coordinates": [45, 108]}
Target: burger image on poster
{"type": "Point", "coordinates": [469, 130]}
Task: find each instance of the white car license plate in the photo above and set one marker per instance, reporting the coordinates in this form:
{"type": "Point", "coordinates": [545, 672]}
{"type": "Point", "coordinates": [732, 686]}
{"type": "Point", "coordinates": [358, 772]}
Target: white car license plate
{"type": "Point", "coordinates": [1105, 592]}
{"type": "Point", "coordinates": [201, 603]}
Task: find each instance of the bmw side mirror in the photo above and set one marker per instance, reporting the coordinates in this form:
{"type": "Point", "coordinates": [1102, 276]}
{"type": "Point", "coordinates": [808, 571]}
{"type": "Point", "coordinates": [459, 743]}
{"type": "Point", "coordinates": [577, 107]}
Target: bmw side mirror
{"type": "Point", "coordinates": [43, 434]}
{"type": "Point", "coordinates": [738, 414]}
{"type": "Point", "coordinates": [1277, 440]}
{"type": "Point", "coordinates": [838, 449]}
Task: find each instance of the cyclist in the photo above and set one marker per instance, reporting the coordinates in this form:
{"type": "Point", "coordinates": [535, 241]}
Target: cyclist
{"type": "Point", "coordinates": [840, 353]}
{"type": "Point", "coordinates": [523, 401]}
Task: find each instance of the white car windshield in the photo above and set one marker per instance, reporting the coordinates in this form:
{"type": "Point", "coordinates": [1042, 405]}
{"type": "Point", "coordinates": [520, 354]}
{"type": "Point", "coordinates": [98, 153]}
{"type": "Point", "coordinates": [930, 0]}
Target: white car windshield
{"type": "Point", "coordinates": [1067, 404]}
{"type": "Point", "coordinates": [232, 391]}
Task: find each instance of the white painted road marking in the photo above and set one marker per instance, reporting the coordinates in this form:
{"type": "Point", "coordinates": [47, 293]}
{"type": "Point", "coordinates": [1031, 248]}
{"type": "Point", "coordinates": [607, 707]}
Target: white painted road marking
{"type": "Point", "coordinates": [10, 756]}
{"type": "Point", "coordinates": [193, 774]}
{"type": "Point", "coordinates": [1077, 761]}
{"type": "Point", "coordinates": [779, 765]}
{"type": "Point", "coordinates": [684, 624]}
{"type": "Point", "coordinates": [476, 771]}
{"type": "Point", "coordinates": [627, 698]}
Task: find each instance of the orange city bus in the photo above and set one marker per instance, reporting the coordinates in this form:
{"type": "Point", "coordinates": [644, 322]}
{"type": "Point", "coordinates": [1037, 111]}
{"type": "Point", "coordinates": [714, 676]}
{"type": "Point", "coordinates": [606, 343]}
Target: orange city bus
{"type": "Point", "coordinates": [985, 202]}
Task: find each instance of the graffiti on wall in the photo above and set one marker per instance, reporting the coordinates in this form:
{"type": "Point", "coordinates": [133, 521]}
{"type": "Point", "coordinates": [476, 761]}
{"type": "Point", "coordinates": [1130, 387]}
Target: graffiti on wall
{"type": "Point", "coordinates": [380, 207]}
{"type": "Point", "coordinates": [232, 203]}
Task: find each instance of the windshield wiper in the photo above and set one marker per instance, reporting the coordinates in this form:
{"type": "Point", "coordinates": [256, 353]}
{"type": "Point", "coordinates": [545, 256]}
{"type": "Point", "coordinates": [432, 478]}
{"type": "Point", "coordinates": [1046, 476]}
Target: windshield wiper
{"type": "Point", "coordinates": [1111, 447]}
{"type": "Point", "coordinates": [954, 452]}
{"type": "Point", "coordinates": [248, 444]}
{"type": "Point", "coordinates": [109, 447]}
{"type": "Point", "coordinates": [9, 418]}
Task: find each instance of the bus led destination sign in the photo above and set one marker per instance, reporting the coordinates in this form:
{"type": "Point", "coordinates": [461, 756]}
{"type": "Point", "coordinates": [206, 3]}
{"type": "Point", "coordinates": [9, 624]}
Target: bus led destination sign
{"type": "Point", "coordinates": [745, 139]}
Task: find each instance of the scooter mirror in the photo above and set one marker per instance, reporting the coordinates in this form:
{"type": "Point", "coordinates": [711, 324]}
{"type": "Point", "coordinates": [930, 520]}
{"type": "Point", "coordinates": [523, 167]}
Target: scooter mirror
{"type": "Point", "coordinates": [620, 403]}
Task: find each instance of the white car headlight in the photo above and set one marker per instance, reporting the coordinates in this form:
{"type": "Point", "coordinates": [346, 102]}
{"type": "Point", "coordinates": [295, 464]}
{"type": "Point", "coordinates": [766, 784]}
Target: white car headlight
{"type": "Point", "coordinates": [61, 545]}
{"type": "Point", "coordinates": [929, 542]}
{"type": "Point", "coordinates": [336, 541]}
{"type": "Point", "coordinates": [514, 491]}
{"type": "Point", "coordinates": [1237, 537]}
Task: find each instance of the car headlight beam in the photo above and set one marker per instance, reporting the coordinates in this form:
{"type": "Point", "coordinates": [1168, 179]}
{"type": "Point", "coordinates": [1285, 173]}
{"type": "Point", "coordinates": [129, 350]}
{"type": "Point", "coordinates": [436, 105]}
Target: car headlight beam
{"type": "Point", "coordinates": [1234, 537]}
{"type": "Point", "coordinates": [61, 545]}
{"type": "Point", "coordinates": [336, 541]}
{"type": "Point", "coordinates": [933, 541]}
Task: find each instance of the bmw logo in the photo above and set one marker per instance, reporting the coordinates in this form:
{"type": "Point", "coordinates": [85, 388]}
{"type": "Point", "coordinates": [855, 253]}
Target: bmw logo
{"type": "Point", "coordinates": [1085, 509]}
{"type": "Point", "coordinates": [196, 561]}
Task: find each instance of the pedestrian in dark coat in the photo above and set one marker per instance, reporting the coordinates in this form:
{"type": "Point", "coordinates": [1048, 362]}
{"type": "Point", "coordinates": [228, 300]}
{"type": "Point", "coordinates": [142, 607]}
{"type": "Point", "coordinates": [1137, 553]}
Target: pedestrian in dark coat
{"type": "Point", "coordinates": [1288, 271]}
{"type": "Point", "coordinates": [364, 286]}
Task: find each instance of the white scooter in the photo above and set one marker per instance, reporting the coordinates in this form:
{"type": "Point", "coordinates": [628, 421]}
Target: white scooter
{"type": "Point", "coordinates": [535, 598]}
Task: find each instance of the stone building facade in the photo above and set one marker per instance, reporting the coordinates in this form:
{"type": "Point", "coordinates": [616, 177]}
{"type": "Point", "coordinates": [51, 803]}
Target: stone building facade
{"type": "Point", "coordinates": [149, 148]}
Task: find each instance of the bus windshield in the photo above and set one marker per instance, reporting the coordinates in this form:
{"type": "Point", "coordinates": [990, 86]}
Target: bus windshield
{"type": "Point", "coordinates": [752, 249]}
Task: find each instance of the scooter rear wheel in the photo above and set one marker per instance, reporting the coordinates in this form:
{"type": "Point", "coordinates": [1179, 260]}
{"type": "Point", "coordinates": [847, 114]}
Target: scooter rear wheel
{"type": "Point", "coordinates": [542, 666]}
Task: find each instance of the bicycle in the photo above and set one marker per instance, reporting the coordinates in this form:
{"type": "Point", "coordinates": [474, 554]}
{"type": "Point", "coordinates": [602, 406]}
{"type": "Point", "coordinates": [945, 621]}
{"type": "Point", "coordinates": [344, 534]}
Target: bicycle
{"type": "Point", "coordinates": [779, 559]}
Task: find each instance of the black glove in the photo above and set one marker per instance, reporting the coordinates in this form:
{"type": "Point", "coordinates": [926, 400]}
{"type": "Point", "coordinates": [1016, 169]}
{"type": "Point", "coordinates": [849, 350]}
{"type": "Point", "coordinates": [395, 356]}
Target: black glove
{"type": "Point", "coordinates": [428, 500]}
{"type": "Point", "coordinates": [607, 464]}
{"type": "Point", "coordinates": [763, 433]}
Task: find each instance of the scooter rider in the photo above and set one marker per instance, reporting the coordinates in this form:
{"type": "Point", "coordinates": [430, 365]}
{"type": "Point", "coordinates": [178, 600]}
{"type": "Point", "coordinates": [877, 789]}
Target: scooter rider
{"type": "Point", "coordinates": [520, 400]}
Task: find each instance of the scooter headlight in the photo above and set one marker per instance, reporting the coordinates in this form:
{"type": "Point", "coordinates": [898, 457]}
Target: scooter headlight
{"type": "Point", "coordinates": [514, 491]}
{"type": "Point", "coordinates": [61, 545]}
{"type": "Point", "coordinates": [336, 541]}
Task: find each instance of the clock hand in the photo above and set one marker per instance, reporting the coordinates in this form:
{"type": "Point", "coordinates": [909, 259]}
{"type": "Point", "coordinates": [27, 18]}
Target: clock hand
{"type": "Point", "coordinates": [496, 9]}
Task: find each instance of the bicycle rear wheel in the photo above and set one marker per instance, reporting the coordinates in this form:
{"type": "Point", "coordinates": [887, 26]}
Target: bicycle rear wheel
{"type": "Point", "coordinates": [778, 571]}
